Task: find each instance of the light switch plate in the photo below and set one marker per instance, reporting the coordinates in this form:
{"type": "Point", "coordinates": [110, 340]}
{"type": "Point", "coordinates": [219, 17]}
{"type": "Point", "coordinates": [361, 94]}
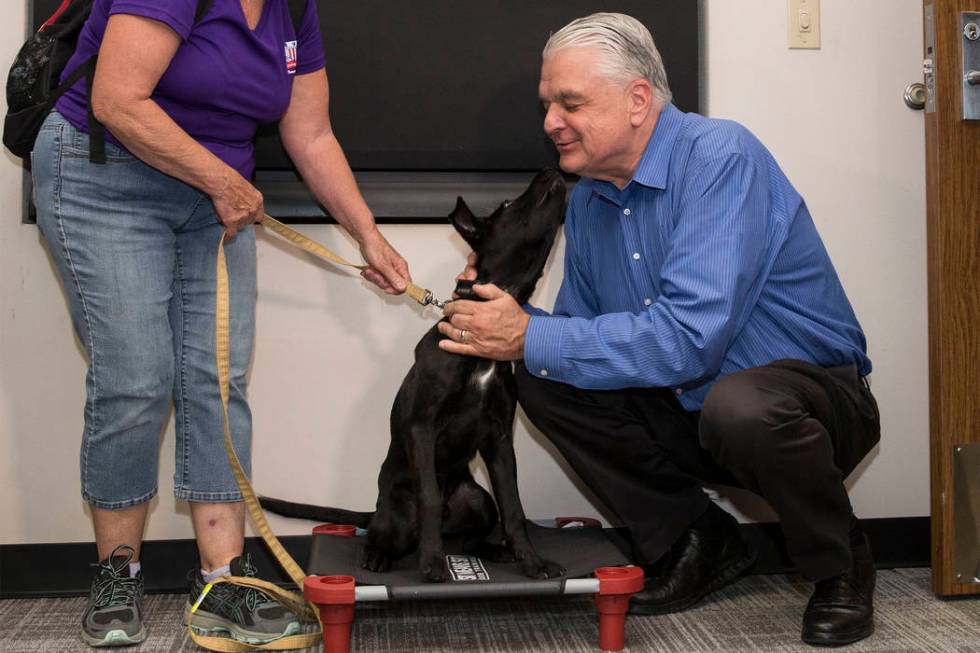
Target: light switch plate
{"type": "Point", "coordinates": [803, 24]}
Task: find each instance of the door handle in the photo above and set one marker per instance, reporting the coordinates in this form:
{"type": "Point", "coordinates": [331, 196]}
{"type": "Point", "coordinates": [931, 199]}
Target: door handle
{"type": "Point", "coordinates": [915, 96]}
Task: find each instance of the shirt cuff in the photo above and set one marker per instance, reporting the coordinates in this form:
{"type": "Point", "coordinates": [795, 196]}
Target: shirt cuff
{"type": "Point", "coordinates": [534, 310]}
{"type": "Point", "coordinates": [306, 68]}
{"type": "Point", "coordinates": [542, 346]}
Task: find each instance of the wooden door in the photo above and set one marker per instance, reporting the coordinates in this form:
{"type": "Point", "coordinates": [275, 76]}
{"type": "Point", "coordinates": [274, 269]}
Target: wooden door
{"type": "Point", "coordinates": [953, 232]}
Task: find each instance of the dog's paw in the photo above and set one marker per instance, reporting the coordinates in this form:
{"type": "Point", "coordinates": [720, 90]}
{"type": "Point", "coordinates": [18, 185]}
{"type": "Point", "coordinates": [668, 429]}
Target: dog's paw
{"type": "Point", "coordinates": [434, 568]}
{"type": "Point", "coordinates": [540, 568]}
{"type": "Point", "coordinates": [375, 560]}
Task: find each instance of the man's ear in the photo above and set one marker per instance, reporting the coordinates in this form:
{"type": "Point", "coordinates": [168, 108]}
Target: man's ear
{"type": "Point", "coordinates": [464, 221]}
{"type": "Point", "coordinates": [641, 97]}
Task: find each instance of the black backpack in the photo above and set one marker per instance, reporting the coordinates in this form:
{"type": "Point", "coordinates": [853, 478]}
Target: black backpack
{"type": "Point", "coordinates": [32, 84]}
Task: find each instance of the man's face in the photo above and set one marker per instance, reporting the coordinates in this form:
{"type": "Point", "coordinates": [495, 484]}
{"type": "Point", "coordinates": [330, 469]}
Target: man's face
{"type": "Point", "coordinates": [586, 115]}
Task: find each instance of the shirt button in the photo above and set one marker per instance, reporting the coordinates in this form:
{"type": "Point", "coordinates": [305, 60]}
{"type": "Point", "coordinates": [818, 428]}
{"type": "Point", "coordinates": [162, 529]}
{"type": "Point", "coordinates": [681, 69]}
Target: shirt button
{"type": "Point", "coordinates": [647, 301]}
{"type": "Point", "coordinates": [626, 211]}
{"type": "Point", "coordinates": [636, 256]}
{"type": "Point", "coordinates": [678, 392]}
{"type": "Point", "coordinates": [544, 372]}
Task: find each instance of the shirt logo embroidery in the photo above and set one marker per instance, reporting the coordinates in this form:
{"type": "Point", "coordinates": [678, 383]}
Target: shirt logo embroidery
{"type": "Point", "coordinates": [291, 57]}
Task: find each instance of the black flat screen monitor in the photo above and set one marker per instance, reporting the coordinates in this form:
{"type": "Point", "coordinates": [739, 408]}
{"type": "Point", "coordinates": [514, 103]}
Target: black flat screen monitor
{"type": "Point", "coordinates": [451, 85]}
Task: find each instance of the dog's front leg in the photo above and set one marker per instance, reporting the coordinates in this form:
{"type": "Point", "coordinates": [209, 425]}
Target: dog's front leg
{"type": "Point", "coordinates": [501, 463]}
{"type": "Point", "coordinates": [432, 559]}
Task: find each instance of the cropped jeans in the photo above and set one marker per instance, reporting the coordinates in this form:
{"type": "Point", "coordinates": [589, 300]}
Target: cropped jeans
{"type": "Point", "coordinates": [135, 250]}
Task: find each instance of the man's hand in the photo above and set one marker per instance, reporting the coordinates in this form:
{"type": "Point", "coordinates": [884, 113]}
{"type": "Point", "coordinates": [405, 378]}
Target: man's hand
{"type": "Point", "coordinates": [492, 329]}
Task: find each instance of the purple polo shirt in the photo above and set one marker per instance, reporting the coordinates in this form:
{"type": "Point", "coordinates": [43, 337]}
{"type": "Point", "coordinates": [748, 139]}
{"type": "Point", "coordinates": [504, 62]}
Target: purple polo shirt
{"type": "Point", "coordinates": [224, 80]}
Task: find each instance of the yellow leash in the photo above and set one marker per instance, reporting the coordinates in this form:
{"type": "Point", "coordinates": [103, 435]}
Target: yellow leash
{"type": "Point", "coordinates": [421, 295]}
{"type": "Point", "coordinates": [295, 602]}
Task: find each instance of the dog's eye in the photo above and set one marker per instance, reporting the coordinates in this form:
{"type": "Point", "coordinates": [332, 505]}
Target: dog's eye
{"type": "Point", "coordinates": [506, 204]}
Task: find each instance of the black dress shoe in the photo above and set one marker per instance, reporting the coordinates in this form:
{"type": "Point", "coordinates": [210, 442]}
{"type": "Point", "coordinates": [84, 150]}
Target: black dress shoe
{"type": "Point", "coordinates": [706, 557]}
{"type": "Point", "coordinates": [841, 610]}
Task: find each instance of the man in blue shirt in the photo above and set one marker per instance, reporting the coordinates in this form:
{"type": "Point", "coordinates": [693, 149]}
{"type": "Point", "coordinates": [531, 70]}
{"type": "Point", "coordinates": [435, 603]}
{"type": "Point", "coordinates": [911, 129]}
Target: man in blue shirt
{"type": "Point", "coordinates": [700, 335]}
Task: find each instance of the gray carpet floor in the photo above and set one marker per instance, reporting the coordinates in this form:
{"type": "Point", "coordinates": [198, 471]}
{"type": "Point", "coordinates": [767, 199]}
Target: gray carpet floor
{"type": "Point", "coordinates": [758, 614]}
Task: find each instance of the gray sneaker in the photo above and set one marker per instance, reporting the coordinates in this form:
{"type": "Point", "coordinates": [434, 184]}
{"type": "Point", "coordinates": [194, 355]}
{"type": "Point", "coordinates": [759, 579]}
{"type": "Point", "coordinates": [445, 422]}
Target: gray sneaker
{"type": "Point", "coordinates": [114, 613]}
{"type": "Point", "coordinates": [244, 613]}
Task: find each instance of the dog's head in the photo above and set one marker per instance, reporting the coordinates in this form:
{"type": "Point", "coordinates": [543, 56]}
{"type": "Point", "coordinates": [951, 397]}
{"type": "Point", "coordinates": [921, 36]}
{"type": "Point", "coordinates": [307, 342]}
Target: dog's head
{"type": "Point", "coordinates": [513, 243]}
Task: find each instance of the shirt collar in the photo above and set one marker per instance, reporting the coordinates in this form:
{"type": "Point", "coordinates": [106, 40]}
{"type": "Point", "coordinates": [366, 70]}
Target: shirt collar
{"type": "Point", "coordinates": [654, 164]}
{"type": "Point", "coordinates": [655, 161]}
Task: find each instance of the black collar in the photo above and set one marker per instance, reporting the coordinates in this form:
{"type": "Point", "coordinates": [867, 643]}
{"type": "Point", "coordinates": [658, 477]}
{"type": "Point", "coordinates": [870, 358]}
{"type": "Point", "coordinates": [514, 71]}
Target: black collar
{"type": "Point", "coordinates": [464, 290]}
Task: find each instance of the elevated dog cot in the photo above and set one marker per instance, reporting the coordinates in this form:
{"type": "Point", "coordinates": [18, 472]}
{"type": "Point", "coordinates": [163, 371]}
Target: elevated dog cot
{"type": "Point", "coordinates": [594, 564]}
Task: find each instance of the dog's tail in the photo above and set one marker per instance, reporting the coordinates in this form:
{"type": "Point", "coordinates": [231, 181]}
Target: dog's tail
{"type": "Point", "coordinates": [316, 513]}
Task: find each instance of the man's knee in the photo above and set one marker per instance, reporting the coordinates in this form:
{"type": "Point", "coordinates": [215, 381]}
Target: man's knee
{"type": "Point", "coordinates": [739, 416]}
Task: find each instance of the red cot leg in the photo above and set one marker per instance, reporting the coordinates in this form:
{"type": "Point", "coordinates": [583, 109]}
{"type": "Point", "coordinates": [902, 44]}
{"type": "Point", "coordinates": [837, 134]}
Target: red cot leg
{"type": "Point", "coordinates": [334, 596]}
{"type": "Point", "coordinates": [616, 586]}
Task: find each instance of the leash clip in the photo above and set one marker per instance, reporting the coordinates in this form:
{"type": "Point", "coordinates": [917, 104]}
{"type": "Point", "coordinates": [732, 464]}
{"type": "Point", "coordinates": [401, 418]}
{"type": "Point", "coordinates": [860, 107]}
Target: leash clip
{"type": "Point", "coordinates": [429, 298]}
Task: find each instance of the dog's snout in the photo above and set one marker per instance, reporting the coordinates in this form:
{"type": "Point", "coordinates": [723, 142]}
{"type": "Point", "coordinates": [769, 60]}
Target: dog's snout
{"type": "Point", "coordinates": [551, 180]}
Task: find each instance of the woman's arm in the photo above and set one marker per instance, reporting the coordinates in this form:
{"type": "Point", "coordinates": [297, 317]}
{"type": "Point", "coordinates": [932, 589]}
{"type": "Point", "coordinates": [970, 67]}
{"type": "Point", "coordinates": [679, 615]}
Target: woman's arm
{"type": "Point", "coordinates": [135, 53]}
{"type": "Point", "coordinates": [309, 139]}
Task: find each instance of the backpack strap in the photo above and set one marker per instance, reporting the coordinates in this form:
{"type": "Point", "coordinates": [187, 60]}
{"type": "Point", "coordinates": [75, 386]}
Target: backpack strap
{"type": "Point", "coordinates": [202, 8]}
{"type": "Point", "coordinates": [297, 9]}
{"type": "Point", "coordinates": [96, 132]}
{"type": "Point", "coordinates": [75, 75]}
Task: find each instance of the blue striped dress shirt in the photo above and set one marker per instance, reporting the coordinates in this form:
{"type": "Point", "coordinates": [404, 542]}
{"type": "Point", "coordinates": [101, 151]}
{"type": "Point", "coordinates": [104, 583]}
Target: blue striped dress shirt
{"type": "Point", "coordinates": [706, 263]}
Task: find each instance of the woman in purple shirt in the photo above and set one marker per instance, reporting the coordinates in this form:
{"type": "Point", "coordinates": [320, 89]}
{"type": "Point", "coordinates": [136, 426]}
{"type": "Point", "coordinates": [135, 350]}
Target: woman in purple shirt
{"type": "Point", "coordinates": [134, 239]}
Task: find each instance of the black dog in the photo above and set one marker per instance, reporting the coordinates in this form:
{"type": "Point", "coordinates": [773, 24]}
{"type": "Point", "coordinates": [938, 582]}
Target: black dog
{"type": "Point", "coordinates": [450, 407]}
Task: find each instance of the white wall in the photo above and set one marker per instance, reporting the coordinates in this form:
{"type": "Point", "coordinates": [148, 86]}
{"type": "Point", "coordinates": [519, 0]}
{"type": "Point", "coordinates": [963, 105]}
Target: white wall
{"type": "Point", "coordinates": [330, 353]}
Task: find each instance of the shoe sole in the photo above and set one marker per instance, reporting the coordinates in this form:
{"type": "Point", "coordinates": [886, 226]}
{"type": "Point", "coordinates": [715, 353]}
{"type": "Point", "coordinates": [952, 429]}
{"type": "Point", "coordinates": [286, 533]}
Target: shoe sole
{"type": "Point", "coordinates": [728, 575]}
{"type": "Point", "coordinates": [206, 623]}
{"type": "Point", "coordinates": [114, 638]}
{"type": "Point", "coordinates": [838, 639]}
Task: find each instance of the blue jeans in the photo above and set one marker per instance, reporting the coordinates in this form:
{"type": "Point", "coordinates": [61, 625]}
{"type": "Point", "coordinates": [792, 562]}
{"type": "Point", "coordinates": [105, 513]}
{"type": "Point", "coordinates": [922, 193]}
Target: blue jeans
{"type": "Point", "coordinates": [136, 250]}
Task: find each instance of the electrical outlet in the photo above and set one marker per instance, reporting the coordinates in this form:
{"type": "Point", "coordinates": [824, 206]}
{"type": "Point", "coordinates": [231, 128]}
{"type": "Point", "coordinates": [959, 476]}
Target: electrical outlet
{"type": "Point", "coordinates": [803, 24]}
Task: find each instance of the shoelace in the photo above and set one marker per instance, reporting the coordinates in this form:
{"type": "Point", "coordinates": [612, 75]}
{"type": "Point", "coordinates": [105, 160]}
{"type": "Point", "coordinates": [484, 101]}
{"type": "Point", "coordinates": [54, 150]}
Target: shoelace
{"type": "Point", "coordinates": [238, 595]}
{"type": "Point", "coordinates": [112, 588]}
{"type": "Point", "coordinates": [115, 590]}
{"type": "Point", "coordinates": [252, 596]}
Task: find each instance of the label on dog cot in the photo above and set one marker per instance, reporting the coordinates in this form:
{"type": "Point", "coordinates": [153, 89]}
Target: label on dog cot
{"type": "Point", "coordinates": [466, 568]}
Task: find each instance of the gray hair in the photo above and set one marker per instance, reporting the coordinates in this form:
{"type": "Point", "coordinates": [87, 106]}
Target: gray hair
{"type": "Point", "coordinates": [626, 46]}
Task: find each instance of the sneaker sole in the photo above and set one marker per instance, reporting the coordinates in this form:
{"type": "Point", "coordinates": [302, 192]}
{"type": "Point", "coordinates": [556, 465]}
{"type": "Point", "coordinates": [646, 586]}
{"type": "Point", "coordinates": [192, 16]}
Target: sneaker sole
{"type": "Point", "coordinates": [206, 623]}
{"type": "Point", "coordinates": [114, 638]}
{"type": "Point", "coordinates": [728, 575]}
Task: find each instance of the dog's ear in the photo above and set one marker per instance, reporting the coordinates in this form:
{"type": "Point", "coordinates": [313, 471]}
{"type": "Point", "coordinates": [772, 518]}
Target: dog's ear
{"type": "Point", "coordinates": [464, 221]}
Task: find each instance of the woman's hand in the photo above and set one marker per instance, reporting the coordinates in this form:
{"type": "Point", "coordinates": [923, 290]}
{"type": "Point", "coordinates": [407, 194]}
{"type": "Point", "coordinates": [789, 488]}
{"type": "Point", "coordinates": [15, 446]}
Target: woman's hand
{"type": "Point", "coordinates": [238, 204]}
{"type": "Point", "coordinates": [388, 270]}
